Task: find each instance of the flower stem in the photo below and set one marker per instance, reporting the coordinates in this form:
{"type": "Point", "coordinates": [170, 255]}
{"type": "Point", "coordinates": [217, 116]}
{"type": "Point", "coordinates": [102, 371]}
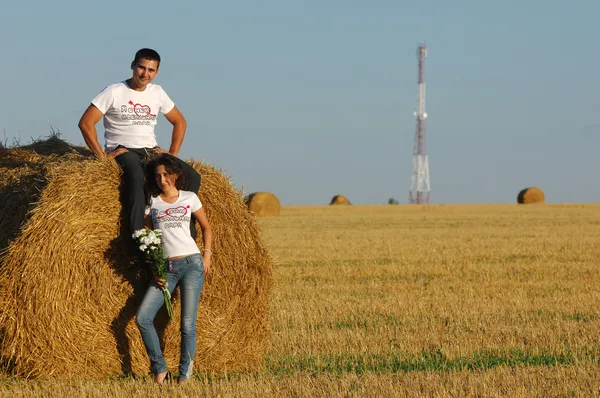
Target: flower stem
{"type": "Point", "coordinates": [168, 303]}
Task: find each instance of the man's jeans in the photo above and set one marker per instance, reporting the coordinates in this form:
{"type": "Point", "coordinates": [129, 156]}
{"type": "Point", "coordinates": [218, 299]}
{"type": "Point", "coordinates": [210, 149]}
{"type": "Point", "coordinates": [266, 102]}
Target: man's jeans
{"type": "Point", "coordinates": [134, 176]}
{"type": "Point", "coordinates": [189, 273]}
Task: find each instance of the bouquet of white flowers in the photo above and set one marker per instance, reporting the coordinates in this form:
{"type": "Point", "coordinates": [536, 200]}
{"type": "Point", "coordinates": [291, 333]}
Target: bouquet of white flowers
{"type": "Point", "coordinates": [150, 244]}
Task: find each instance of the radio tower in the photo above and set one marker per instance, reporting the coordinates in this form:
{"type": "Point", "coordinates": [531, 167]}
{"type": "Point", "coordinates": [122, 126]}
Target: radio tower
{"type": "Point", "coordinates": [419, 184]}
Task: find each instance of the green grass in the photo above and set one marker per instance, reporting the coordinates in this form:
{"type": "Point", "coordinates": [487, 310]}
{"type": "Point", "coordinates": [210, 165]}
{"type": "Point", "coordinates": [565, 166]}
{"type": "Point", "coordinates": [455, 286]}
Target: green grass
{"type": "Point", "coordinates": [430, 361]}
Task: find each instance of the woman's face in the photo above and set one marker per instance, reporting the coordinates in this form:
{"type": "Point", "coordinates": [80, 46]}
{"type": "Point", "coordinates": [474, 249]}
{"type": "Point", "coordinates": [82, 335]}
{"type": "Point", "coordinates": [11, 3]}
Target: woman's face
{"type": "Point", "coordinates": [164, 180]}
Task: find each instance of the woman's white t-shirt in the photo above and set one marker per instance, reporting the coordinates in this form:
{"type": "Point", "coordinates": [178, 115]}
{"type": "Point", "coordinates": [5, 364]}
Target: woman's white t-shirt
{"type": "Point", "coordinates": [173, 220]}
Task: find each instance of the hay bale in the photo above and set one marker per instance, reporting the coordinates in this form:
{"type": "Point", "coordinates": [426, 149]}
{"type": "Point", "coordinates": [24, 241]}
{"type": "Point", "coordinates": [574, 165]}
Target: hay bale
{"type": "Point", "coordinates": [68, 292]}
{"type": "Point", "coordinates": [22, 178]}
{"type": "Point", "coordinates": [339, 200]}
{"type": "Point", "coordinates": [263, 204]}
{"type": "Point", "coordinates": [531, 195]}
{"type": "Point", "coordinates": [53, 145]}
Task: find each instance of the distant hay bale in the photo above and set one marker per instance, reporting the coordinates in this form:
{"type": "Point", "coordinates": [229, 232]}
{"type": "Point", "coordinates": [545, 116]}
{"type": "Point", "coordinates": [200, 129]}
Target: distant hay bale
{"type": "Point", "coordinates": [263, 204]}
{"type": "Point", "coordinates": [339, 200]}
{"type": "Point", "coordinates": [69, 294]}
{"type": "Point", "coordinates": [531, 195]}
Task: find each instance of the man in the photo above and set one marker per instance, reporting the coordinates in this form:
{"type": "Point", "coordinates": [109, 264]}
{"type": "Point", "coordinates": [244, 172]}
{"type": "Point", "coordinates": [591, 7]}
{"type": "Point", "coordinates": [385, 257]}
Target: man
{"type": "Point", "coordinates": [130, 110]}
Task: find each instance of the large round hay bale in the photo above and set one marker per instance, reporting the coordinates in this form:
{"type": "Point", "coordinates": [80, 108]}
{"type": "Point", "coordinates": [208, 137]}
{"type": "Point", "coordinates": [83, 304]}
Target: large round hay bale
{"type": "Point", "coordinates": [339, 200]}
{"type": "Point", "coordinates": [22, 178]}
{"type": "Point", "coordinates": [263, 204]}
{"type": "Point", "coordinates": [531, 195]}
{"type": "Point", "coordinates": [20, 183]}
{"type": "Point", "coordinates": [69, 293]}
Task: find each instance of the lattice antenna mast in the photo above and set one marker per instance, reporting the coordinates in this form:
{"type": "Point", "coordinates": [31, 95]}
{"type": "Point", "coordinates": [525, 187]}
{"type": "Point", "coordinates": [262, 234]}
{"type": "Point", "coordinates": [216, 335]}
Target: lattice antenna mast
{"type": "Point", "coordinates": [419, 185]}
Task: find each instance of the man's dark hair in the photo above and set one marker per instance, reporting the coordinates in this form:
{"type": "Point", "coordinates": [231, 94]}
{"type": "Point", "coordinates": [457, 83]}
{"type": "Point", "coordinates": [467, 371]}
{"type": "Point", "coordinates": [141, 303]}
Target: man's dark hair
{"type": "Point", "coordinates": [172, 167]}
{"type": "Point", "coordinates": [146, 53]}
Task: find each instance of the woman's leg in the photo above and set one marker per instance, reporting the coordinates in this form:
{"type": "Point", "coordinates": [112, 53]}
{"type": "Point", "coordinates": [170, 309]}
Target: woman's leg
{"type": "Point", "coordinates": [190, 289]}
{"type": "Point", "coordinates": [152, 302]}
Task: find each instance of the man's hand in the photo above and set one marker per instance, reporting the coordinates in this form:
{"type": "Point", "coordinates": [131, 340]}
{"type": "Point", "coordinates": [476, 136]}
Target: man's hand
{"type": "Point", "coordinates": [116, 152]}
{"type": "Point", "coordinates": [159, 151]}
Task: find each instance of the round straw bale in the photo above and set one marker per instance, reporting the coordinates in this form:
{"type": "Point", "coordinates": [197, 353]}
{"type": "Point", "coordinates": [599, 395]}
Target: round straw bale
{"type": "Point", "coordinates": [22, 172]}
{"type": "Point", "coordinates": [19, 185]}
{"type": "Point", "coordinates": [69, 290]}
{"type": "Point", "coordinates": [531, 195]}
{"type": "Point", "coordinates": [263, 204]}
{"type": "Point", "coordinates": [53, 145]}
{"type": "Point", "coordinates": [339, 200]}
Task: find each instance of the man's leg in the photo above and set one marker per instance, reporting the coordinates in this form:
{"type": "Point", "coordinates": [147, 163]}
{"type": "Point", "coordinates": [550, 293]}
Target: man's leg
{"type": "Point", "coordinates": [192, 183]}
{"type": "Point", "coordinates": [133, 198]}
{"type": "Point", "coordinates": [192, 178]}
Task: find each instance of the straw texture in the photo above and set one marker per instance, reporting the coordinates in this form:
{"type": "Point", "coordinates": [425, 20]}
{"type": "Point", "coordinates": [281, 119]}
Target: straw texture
{"type": "Point", "coordinates": [530, 196]}
{"type": "Point", "coordinates": [20, 182]}
{"type": "Point", "coordinates": [263, 204]}
{"type": "Point", "coordinates": [69, 291]}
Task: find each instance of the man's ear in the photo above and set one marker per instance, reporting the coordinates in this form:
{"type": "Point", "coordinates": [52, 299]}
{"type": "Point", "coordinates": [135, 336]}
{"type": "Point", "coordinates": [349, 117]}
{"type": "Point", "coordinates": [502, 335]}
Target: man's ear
{"type": "Point", "coordinates": [132, 65]}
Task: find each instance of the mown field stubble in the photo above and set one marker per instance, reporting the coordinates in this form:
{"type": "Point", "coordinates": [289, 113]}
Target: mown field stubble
{"type": "Point", "coordinates": [456, 300]}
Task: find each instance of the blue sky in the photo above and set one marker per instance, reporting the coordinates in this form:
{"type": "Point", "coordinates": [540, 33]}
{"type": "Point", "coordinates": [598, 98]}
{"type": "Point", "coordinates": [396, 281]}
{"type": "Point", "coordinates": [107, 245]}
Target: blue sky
{"type": "Point", "coordinates": [308, 99]}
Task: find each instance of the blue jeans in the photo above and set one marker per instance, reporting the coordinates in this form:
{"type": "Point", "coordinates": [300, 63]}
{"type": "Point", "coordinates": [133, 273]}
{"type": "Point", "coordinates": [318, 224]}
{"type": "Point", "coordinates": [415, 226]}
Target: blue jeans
{"type": "Point", "coordinates": [189, 273]}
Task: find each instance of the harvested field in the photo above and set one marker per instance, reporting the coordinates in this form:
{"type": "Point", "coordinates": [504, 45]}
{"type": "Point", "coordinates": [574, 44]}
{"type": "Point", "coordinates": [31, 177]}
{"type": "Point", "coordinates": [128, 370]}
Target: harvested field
{"type": "Point", "coordinates": [464, 300]}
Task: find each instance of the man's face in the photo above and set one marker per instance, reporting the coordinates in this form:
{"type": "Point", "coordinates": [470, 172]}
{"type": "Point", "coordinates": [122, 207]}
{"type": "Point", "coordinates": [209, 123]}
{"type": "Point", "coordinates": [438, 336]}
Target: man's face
{"type": "Point", "coordinates": [144, 71]}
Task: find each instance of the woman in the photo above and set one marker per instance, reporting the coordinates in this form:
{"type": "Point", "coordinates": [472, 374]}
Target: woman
{"type": "Point", "coordinates": [170, 210]}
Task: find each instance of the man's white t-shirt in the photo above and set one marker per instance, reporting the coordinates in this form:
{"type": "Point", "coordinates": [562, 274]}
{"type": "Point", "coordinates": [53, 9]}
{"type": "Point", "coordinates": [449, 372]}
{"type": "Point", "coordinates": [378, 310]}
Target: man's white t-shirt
{"type": "Point", "coordinates": [130, 116]}
{"type": "Point", "coordinates": [173, 220]}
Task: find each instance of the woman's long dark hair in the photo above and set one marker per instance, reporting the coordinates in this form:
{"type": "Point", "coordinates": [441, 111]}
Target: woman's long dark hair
{"type": "Point", "coordinates": [172, 167]}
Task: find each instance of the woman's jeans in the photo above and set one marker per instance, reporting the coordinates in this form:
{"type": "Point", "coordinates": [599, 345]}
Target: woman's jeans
{"type": "Point", "coordinates": [189, 273]}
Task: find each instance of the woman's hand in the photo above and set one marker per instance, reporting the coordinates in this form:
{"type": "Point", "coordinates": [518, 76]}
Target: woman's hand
{"type": "Point", "coordinates": [206, 259]}
{"type": "Point", "coordinates": [162, 283]}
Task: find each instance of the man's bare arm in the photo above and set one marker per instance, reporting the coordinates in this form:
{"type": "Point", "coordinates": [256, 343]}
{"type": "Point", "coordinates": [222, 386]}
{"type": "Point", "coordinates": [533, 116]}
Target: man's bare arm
{"type": "Point", "coordinates": [179, 125]}
{"type": "Point", "coordinates": [87, 125]}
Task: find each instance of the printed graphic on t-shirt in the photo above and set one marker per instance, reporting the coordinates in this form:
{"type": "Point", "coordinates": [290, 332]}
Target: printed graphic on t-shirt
{"type": "Point", "coordinates": [137, 113]}
{"type": "Point", "coordinates": [173, 217]}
